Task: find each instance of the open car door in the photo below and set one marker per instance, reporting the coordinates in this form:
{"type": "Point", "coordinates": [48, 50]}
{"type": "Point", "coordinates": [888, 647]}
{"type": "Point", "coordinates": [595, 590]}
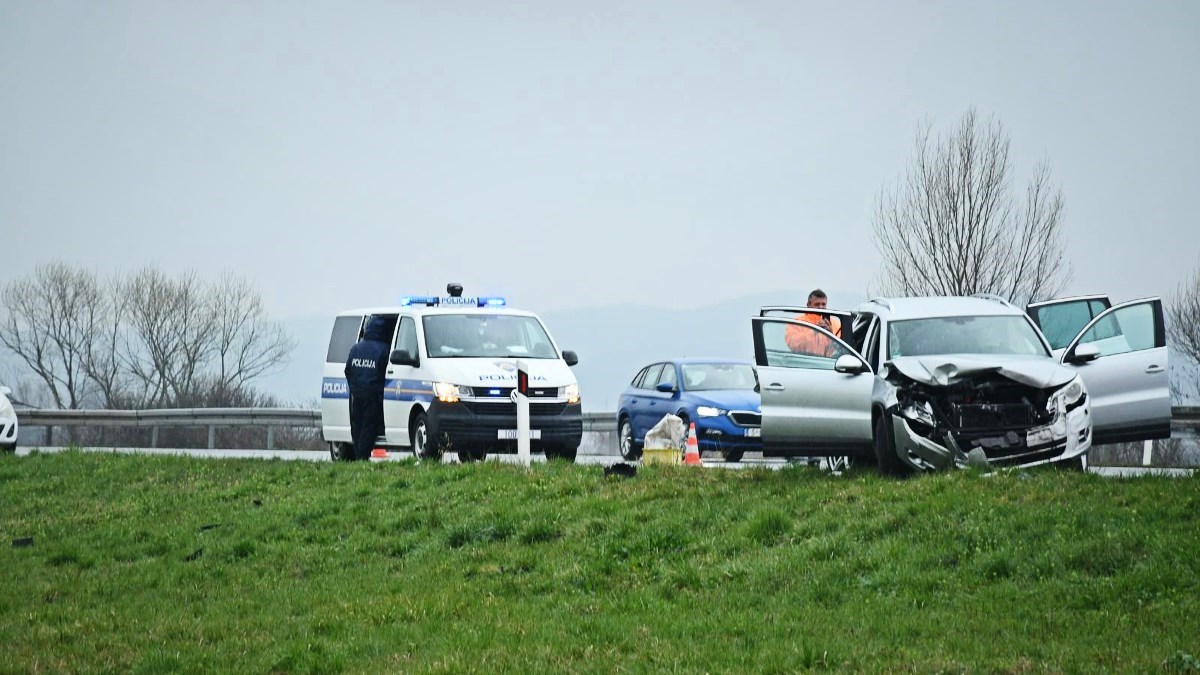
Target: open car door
{"type": "Point", "coordinates": [1062, 320]}
{"type": "Point", "coordinates": [815, 390]}
{"type": "Point", "coordinates": [1127, 382]}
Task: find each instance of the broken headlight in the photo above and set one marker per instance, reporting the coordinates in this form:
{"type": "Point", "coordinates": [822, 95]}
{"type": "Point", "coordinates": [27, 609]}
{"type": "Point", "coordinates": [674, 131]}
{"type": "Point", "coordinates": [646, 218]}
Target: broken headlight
{"type": "Point", "coordinates": [1068, 398]}
{"type": "Point", "coordinates": [919, 411]}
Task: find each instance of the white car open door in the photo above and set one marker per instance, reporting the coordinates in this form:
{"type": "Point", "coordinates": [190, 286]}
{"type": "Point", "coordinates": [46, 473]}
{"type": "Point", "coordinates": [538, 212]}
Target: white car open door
{"type": "Point", "coordinates": [815, 390]}
{"type": "Point", "coordinates": [1127, 381]}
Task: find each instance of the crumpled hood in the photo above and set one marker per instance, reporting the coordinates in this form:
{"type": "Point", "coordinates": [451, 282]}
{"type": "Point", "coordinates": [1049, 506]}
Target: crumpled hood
{"type": "Point", "coordinates": [943, 370]}
{"type": "Point", "coordinates": [728, 399]}
{"type": "Point", "coordinates": [483, 372]}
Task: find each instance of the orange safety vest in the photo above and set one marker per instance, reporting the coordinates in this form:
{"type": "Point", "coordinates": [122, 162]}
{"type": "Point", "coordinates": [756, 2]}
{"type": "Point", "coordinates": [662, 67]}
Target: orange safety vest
{"type": "Point", "coordinates": [805, 341]}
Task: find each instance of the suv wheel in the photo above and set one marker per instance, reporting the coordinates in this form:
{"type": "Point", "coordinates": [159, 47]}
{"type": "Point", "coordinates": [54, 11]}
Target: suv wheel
{"type": "Point", "coordinates": [885, 449]}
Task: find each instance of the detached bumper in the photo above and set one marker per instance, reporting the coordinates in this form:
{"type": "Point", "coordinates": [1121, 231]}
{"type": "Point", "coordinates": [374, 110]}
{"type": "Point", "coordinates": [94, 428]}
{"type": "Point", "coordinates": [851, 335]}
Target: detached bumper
{"type": "Point", "coordinates": [480, 425]}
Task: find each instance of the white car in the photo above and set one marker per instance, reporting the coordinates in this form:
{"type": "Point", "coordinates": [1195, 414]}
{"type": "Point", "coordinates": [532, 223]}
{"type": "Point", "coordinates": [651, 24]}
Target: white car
{"type": "Point", "coordinates": [8, 421]}
{"type": "Point", "coordinates": [931, 383]}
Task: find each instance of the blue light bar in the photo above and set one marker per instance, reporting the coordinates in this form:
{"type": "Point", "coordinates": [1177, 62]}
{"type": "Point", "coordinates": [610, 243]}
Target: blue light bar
{"type": "Point", "coordinates": [410, 300]}
{"type": "Point", "coordinates": [451, 301]}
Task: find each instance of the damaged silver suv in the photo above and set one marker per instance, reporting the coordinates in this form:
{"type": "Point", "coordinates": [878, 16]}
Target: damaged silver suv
{"type": "Point", "coordinates": [939, 382]}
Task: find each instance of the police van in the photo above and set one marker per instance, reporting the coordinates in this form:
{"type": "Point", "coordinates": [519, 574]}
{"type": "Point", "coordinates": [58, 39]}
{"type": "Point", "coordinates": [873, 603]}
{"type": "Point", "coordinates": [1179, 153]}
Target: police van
{"type": "Point", "coordinates": [450, 379]}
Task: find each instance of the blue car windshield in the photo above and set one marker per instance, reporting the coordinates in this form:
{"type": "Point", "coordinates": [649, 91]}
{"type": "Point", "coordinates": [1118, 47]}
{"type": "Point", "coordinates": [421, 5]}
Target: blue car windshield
{"type": "Point", "coordinates": [964, 335]}
{"type": "Point", "coordinates": [709, 376]}
{"type": "Point", "coordinates": [486, 336]}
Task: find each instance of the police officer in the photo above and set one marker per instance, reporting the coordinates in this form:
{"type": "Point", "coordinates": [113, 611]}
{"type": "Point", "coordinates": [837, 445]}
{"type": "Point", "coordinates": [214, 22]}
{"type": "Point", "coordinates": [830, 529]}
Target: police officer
{"type": "Point", "coordinates": [365, 368]}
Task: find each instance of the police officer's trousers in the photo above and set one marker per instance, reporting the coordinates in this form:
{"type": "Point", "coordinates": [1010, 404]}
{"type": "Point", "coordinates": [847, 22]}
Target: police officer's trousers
{"type": "Point", "coordinates": [366, 421]}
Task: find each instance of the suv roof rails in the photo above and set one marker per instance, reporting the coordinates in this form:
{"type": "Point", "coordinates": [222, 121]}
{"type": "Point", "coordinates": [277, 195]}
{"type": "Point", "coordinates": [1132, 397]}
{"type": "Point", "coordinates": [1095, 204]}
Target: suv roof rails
{"type": "Point", "coordinates": [992, 296]}
{"type": "Point", "coordinates": [882, 301]}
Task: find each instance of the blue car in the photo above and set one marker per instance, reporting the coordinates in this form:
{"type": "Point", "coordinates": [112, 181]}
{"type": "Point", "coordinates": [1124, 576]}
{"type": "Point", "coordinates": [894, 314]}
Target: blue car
{"type": "Point", "coordinates": [719, 395]}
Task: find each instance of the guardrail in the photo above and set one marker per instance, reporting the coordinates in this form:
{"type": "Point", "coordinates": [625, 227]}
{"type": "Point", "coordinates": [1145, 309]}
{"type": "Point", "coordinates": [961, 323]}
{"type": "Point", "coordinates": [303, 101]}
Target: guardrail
{"type": "Point", "coordinates": [1182, 418]}
{"type": "Point", "coordinates": [175, 417]}
{"type": "Point", "coordinates": [1185, 417]}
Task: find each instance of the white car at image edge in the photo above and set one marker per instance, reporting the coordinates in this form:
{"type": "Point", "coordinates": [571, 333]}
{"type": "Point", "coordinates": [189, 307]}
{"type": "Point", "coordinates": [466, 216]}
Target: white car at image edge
{"type": "Point", "coordinates": [8, 421]}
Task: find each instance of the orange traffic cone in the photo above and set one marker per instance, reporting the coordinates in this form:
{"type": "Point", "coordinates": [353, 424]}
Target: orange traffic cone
{"type": "Point", "coordinates": [691, 455]}
{"type": "Point", "coordinates": [378, 455]}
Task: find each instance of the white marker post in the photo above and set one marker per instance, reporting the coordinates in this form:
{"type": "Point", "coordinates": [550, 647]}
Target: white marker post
{"type": "Point", "coordinates": [521, 398]}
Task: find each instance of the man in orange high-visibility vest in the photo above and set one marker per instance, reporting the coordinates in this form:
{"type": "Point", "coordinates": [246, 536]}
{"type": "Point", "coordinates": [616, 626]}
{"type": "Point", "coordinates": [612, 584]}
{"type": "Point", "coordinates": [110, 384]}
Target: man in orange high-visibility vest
{"type": "Point", "coordinates": [815, 343]}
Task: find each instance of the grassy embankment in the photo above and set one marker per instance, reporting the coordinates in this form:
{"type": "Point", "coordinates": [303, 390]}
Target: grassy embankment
{"type": "Point", "coordinates": [153, 564]}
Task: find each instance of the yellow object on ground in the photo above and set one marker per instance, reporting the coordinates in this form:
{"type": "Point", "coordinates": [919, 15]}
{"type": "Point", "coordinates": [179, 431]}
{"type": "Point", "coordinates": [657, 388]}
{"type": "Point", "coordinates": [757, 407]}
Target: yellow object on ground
{"type": "Point", "coordinates": [661, 456]}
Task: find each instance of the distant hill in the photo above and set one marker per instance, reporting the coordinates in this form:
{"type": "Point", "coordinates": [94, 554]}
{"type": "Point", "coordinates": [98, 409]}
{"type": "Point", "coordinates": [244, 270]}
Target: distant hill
{"type": "Point", "coordinates": [613, 342]}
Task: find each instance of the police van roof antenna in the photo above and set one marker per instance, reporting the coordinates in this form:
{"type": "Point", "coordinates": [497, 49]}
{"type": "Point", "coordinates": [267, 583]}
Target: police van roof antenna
{"type": "Point", "coordinates": [455, 290]}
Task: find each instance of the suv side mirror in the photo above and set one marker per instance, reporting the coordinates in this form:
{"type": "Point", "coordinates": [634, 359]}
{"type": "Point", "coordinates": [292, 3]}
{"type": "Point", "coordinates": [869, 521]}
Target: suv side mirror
{"type": "Point", "coordinates": [1083, 353]}
{"type": "Point", "coordinates": [401, 357]}
{"type": "Point", "coordinates": [849, 364]}
{"type": "Point", "coordinates": [570, 357]}
{"type": "Point", "coordinates": [665, 387]}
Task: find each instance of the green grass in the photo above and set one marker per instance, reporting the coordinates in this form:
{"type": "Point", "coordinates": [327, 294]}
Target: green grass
{"type": "Point", "coordinates": [159, 564]}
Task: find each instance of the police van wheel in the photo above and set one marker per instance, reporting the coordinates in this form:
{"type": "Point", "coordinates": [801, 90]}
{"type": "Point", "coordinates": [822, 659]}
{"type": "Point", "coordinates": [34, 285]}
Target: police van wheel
{"type": "Point", "coordinates": [338, 452]}
{"type": "Point", "coordinates": [423, 446]}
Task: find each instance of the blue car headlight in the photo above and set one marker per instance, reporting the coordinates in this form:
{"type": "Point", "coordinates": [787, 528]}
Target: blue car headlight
{"type": "Point", "coordinates": [708, 411]}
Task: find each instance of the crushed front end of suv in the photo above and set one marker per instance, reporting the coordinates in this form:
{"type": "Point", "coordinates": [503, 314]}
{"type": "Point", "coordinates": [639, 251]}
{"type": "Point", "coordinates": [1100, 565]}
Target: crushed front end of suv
{"type": "Point", "coordinates": [940, 382]}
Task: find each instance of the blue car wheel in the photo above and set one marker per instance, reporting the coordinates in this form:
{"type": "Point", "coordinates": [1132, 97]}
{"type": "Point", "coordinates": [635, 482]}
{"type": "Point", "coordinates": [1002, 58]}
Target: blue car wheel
{"type": "Point", "coordinates": [631, 451]}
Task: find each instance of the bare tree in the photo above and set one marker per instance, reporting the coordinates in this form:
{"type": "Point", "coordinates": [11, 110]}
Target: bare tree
{"type": "Point", "coordinates": [954, 227]}
{"type": "Point", "coordinates": [170, 331]}
{"type": "Point", "coordinates": [246, 343]}
{"type": "Point", "coordinates": [1183, 315]}
{"type": "Point", "coordinates": [102, 356]}
{"type": "Point", "coordinates": [48, 322]}
{"type": "Point", "coordinates": [144, 340]}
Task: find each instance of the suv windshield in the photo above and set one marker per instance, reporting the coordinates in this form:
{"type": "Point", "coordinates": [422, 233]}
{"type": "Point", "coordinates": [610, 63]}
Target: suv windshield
{"type": "Point", "coordinates": [964, 335]}
{"type": "Point", "coordinates": [486, 336]}
{"type": "Point", "coordinates": [708, 376]}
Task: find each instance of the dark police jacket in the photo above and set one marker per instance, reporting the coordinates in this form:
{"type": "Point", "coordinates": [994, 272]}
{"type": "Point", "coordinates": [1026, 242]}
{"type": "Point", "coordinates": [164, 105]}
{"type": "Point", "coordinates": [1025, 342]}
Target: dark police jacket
{"type": "Point", "coordinates": [367, 363]}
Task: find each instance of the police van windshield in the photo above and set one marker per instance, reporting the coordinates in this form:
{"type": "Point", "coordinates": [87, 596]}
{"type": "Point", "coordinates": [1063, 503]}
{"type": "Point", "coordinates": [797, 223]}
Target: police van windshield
{"type": "Point", "coordinates": [486, 336]}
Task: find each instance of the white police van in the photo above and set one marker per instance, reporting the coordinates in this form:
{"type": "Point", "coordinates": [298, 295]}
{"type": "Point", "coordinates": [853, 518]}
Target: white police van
{"type": "Point", "coordinates": [450, 378]}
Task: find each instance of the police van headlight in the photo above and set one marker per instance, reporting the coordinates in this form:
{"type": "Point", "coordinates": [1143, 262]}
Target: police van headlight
{"type": "Point", "coordinates": [450, 393]}
{"type": "Point", "coordinates": [571, 392]}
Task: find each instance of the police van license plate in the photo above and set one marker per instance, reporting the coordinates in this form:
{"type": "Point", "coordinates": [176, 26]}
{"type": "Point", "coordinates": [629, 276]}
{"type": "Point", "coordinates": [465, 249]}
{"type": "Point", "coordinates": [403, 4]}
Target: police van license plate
{"type": "Point", "coordinates": [754, 432]}
{"type": "Point", "coordinates": [511, 434]}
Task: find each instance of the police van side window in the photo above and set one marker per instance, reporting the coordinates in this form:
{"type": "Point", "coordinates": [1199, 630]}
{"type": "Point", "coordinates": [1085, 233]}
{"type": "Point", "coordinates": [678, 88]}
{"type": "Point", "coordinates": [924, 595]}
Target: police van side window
{"type": "Point", "coordinates": [406, 337]}
{"type": "Point", "coordinates": [343, 337]}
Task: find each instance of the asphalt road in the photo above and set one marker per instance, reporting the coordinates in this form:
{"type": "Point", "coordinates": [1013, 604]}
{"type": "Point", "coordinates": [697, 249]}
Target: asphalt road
{"type": "Point", "coordinates": [604, 460]}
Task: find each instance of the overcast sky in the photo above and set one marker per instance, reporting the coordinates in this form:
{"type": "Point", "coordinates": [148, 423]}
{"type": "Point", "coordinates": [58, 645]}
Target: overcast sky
{"type": "Point", "coordinates": [570, 153]}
